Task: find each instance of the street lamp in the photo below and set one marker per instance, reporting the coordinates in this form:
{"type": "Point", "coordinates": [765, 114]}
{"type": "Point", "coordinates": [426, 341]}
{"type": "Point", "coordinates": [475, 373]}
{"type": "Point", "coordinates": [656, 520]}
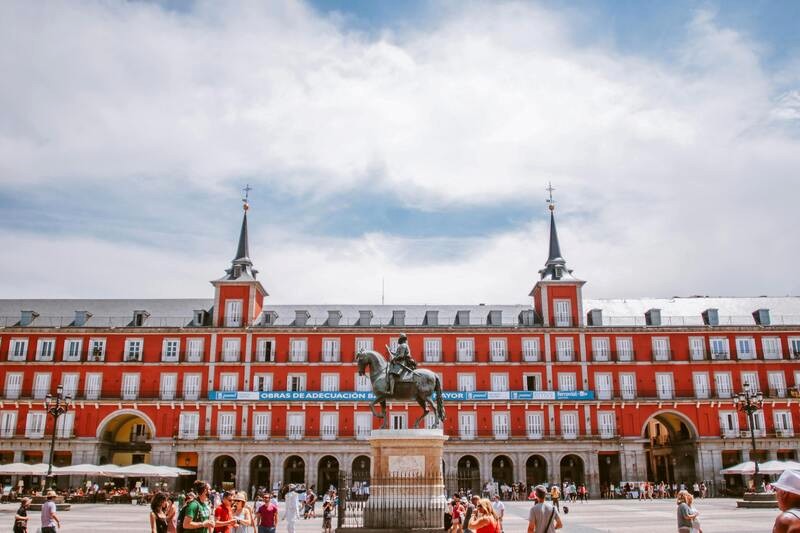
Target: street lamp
{"type": "Point", "coordinates": [56, 406]}
{"type": "Point", "coordinates": [749, 402]}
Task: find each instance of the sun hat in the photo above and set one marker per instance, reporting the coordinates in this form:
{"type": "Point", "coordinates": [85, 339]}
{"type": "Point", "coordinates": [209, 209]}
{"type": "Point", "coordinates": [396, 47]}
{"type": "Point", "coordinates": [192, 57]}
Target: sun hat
{"type": "Point", "coordinates": [51, 494]}
{"type": "Point", "coordinates": [240, 496]}
{"type": "Point", "coordinates": [789, 482]}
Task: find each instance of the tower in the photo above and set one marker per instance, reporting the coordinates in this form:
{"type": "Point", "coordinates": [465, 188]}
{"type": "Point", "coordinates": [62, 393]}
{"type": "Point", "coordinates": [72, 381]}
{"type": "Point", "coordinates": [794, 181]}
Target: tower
{"type": "Point", "coordinates": [557, 296]}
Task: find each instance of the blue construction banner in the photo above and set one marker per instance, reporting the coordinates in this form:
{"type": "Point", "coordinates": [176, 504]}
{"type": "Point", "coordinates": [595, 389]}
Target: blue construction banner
{"type": "Point", "coordinates": [354, 396]}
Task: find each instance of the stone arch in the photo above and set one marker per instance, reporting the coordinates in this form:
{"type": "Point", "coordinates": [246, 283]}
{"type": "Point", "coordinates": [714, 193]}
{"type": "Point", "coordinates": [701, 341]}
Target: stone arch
{"type": "Point", "coordinates": [572, 467]}
{"type": "Point", "coordinates": [294, 470]}
{"type": "Point", "coordinates": [327, 473]}
{"type": "Point", "coordinates": [260, 472]}
{"type": "Point", "coordinates": [224, 472]}
{"type": "Point", "coordinates": [125, 437]}
{"type": "Point", "coordinates": [664, 414]}
{"type": "Point", "coordinates": [671, 447]}
{"type": "Point", "coordinates": [469, 474]}
{"type": "Point", "coordinates": [503, 470]}
{"type": "Point", "coordinates": [536, 470]}
{"type": "Point", "coordinates": [361, 468]}
{"type": "Point", "coordinates": [126, 413]}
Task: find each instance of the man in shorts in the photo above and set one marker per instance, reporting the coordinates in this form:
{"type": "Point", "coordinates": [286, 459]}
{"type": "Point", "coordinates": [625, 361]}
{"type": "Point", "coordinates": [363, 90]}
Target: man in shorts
{"type": "Point", "coordinates": [499, 510]}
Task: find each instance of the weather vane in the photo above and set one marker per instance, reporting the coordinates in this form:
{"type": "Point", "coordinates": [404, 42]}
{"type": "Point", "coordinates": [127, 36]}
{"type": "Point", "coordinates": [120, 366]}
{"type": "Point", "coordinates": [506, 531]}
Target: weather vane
{"type": "Point", "coordinates": [550, 202]}
{"type": "Point", "coordinates": [246, 192]}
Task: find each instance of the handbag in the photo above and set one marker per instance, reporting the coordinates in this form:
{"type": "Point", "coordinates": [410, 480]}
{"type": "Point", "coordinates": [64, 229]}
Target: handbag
{"type": "Point", "coordinates": [552, 514]}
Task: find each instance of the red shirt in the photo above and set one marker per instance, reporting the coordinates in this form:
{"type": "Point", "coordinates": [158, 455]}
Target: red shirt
{"type": "Point", "coordinates": [268, 514]}
{"type": "Point", "coordinates": [222, 514]}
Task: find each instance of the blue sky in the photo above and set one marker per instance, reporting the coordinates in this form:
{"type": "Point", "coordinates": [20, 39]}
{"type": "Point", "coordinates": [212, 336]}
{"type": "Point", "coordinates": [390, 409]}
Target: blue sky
{"type": "Point", "coordinates": [410, 141]}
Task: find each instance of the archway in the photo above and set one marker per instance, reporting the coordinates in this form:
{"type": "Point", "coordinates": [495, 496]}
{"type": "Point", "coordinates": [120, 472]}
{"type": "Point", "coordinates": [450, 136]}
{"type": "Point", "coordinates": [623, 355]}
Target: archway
{"type": "Point", "coordinates": [260, 470]}
{"type": "Point", "coordinates": [224, 472]}
{"type": "Point", "coordinates": [670, 447]}
{"type": "Point", "coordinates": [294, 470]}
{"type": "Point", "coordinates": [503, 470]}
{"type": "Point", "coordinates": [124, 437]}
{"type": "Point", "coordinates": [361, 466]}
{"type": "Point", "coordinates": [327, 474]}
{"type": "Point", "coordinates": [535, 470]}
{"type": "Point", "coordinates": [469, 476]}
{"type": "Point", "coordinates": [610, 468]}
{"type": "Point", "coordinates": [572, 469]}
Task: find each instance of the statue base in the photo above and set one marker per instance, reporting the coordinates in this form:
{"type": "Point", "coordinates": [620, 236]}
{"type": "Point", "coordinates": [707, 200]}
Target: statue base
{"type": "Point", "coordinates": [407, 486]}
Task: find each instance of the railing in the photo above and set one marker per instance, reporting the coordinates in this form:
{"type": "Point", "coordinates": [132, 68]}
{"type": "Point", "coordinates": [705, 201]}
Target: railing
{"type": "Point", "coordinates": [601, 355]}
{"type": "Point", "coordinates": [327, 357]}
{"type": "Point", "coordinates": [99, 322]}
{"type": "Point", "coordinates": [661, 355]}
{"type": "Point", "coordinates": [777, 392]}
{"type": "Point", "coordinates": [565, 356]}
{"type": "Point", "coordinates": [624, 357]}
{"type": "Point", "coordinates": [697, 320]}
{"type": "Point", "coordinates": [720, 356]}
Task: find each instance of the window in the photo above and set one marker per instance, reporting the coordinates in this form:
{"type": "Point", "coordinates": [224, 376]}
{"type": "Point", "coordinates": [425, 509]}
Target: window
{"type": "Point", "coordinates": [97, 349]}
{"type": "Point", "coordinates": [534, 423]}
{"type": "Point", "coordinates": [771, 347]}
{"type": "Point", "coordinates": [18, 350]}
{"type": "Point", "coordinates": [393, 344]}
{"type": "Point", "coordinates": [729, 423]}
{"type": "Point", "coordinates": [194, 349]}
{"type": "Point", "coordinates": [329, 426]}
{"type": "Point", "coordinates": [499, 382]}
{"type": "Point", "coordinates": [229, 382]}
{"type": "Point", "coordinates": [93, 386]}
{"type": "Point", "coordinates": [563, 313]}
{"type": "Point", "coordinates": [330, 382]}
{"type": "Point", "coordinates": [330, 350]}
{"type": "Point", "coordinates": [531, 350]}
{"type": "Point", "coordinates": [45, 349]}
{"type": "Point", "coordinates": [466, 425]}
{"type": "Point", "coordinates": [69, 383]}
{"type": "Point", "coordinates": [169, 350]}
{"type": "Point", "coordinates": [230, 350]}
{"type": "Point", "coordinates": [603, 386]}
{"type": "Point", "coordinates": [498, 350]}
{"type": "Point", "coordinates": [783, 423]}
{"type": "Point", "coordinates": [564, 351]}
{"type": "Point", "coordinates": [133, 349]}
{"type": "Point", "coordinates": [8, 424]}
{"type": "Point", "coordinates": [363, 383]}
{"type": "Point", "coordinates": [130, 386]}
{"type": "Point", "coordinates": [13, 385]}
{"type": "Point", "coordinates": [265, 350]}
{"type": "Point", "coordinates": [466, 382]}
{"type": "Point", "coordinates": [225, 425]}
{"type": "Point", "coordinates": [601, 349]}
{"type": "Point", "coordinates": [777, 384]}
{"type": "Point", "coordinates": [72, 349]}
{"type": "Point", "coordinates": [697, 348]}
{"type": "Point", "coordinates": [723, 384]}
{"type": "Point", "coordinates": [364, 344]}
{"type": "Point", "coordinates": [719, 348]}
{"type": "Point", "coordinates": [41, 385]}
{"type": "Point", "coordinates": [532, 382]}
{"type": "Point", "coordinates": [759, 428]}
{"type": "Point", "coordinates": [34, 425]}
{"type": "Point", "coordinates": [261, 425]}
{"type": "Point", "coordinates": [702, 388]}
{"type": "Point", "coordinates": [296, 382]}
{"type": "Point", "coordinates": [262, 382]}
{"type": "Point", "coordinates": [398, 421]}
{"type": "Point", "coordinates": [188, 425]}
{"type": "Point", "coordinates": [751, 379]}
{"type": "Point", "coordinates": [298, 350]}
{"type": "Point", "coordinates": [567, 381]}
{"type": "Point", "coordinates": [363, 425]}
{"type": "Point", "coordinates": [191, 386]}
{"type": "Point", "coordinates": [169, 383]}
{"type": "Point", "coordinates": [233, 313]}
{"type": "Point", "coordinates": [569, 425]}
{"type": "Point", "coordinates": [627, 386]}
{"type": "Point", "coordinates": [665, 389]}
{"type": "Point", "coordinates": [500, 426]}
{"type": "Point", "coordinates": [794, 348]}
{"type": "Point", "coordinates": [624, 349]}
{"type": "Point", "coordinates": [295, 425]}
{"type": "Point", "coordinates": [661, 349]}
{"type": "Point", "coordinates": [745, 348]}
{"type": "Point", "coordinates": [465, 350]}
{"type": "Point", "coordinates": [66, 423]}
{"type": "Point", "coordinates": [607, 424]}
{"type": "Point", "coordinates": [433, 350]}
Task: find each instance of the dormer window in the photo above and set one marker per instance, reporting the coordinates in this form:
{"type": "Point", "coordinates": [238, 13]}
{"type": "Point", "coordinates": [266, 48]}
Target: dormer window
{"type": "Point", "coordinates": [270, 317]}
{"type": "Point", "coordinates": [199, 317]}
{"type": "Point", "coordinates": [398, 318]}
{"type": "Point", "coordinates": [139, 318]}
{"type": "Point", "coordinates": [557, 272]}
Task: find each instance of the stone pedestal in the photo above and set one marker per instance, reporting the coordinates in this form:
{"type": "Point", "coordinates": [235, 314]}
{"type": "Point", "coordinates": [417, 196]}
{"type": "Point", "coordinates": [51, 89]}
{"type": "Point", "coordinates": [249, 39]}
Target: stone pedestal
{"type": "Point", "coordinates": [407, 486]}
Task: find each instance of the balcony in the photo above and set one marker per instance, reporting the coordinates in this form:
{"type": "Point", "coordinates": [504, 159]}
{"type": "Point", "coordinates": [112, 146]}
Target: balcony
{"type": "Point", "coordinates": [601, 356]}
{"type": "Point", "coordinates": [785, 433]}
{"type": "Point", "coordinates": [501, 434]}
{"type": "Point", "coordinates": [295, 432]}
{"type": "Point", "coordinates": [627, 393]}
{"type": "Point", "coordinates": [778, 392]}
{"type": "Point", "coordinates": [794, 355]}
{"type": "Point", "coordinates": [132, 358]}
{"type": "Point", "coordinates": [661, 355]}
{"type": "Point", "coordinates": [624, 356]}
{"type": "Point", "coordinates": [535, 433]}
{"type": "Point", "coordinates": [230, 357]}
{"type": "Point", "coordinates": [531, 356]}
{"type": "Point", "coordinates": [363, 432]}
{"type": "Point", "coordinates": [465, 357]}
{"type": "Point", "coordinates": [720, 356]}
{"type": "Point", "coordinates": [187, 434]}
{"type": "Point", "coordinates": [608, 432]}
{"type": "Point", "coordinates": [565, 356]}
{"type": "Point", "coordinates": [745, 433]}
{"type": "Point", "coordinates": [569, 434]}
{"type": "Point", "coordinates": [329, 432]}
{"type": "Point", "coordinates": [730, 433]}
{"type": "Point", "coordinates": [330, 357]}
{"type": "Point", "coordinates": [498, 356]}
{"type": "Point", "coordinates": [298, 357]}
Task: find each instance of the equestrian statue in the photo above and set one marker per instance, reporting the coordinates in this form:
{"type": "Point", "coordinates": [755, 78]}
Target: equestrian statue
{"type": "Point", "coordinates": [399, 379]}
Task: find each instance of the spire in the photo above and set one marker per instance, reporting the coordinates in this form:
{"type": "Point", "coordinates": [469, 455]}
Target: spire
{"type": "Point", "coordinates": [555, 267]}
{"type": "Point", "coordinates": [243, 251]}
{"type": "Point", "coordinates": [241, 266]}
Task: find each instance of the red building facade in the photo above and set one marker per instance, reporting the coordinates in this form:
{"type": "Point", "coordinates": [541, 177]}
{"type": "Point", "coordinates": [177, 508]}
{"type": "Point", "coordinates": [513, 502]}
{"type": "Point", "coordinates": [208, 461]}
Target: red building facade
{"type": "Point", "coordinates": [245, 392]}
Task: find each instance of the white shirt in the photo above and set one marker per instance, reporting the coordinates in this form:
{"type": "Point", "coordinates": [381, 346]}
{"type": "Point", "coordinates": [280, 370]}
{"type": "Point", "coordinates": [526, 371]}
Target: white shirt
{"type": "Point", "coordinates": [291, 505]}
{"type": "Point", "coordinates": [499, 508]}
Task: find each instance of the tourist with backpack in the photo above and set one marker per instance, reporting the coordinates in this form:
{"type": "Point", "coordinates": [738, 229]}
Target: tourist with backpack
{"type": "Point", "coordinates": [198, 512]}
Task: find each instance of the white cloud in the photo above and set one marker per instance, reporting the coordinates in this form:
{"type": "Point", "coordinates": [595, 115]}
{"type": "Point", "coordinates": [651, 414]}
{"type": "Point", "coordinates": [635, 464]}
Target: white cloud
{"type": "Point", "coordinates": [688, 168]}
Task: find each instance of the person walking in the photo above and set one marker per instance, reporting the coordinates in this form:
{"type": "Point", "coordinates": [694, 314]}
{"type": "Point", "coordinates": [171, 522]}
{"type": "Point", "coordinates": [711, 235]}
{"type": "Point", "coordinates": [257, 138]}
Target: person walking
{"type": "Point", "coordinates": [223, 514]}
{"type": "Point", "coordinates": [158, 513]}
{"type": "Point", "coordinates": [685, 515]}
{"type": "Point", "coordinates": [292, 511]}
{"type": "Point", "coordinates": [499, 511]}
{"type": "Point", "coordinates": [50, 520]}
{"type": "Point", "coordinates": [21, 518]}
{"type": "Point", "coordinates": [197, 516]}
{"type": "Point", "coordinates": [693, 510]}
{"type": "Point", "coordinates": [327, 516]}
{"type": "Point", "coordinates": [555, 496]}
{"type": "Point", "coordinates": [543, 517]}
{"type": "Point", "coordinates": [266, 517]}
{"type": "Point", "coordinates": [787, 490]}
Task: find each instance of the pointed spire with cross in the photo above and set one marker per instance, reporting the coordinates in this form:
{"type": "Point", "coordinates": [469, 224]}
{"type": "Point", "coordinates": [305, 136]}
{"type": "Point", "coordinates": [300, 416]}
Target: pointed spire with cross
{"type": "Point", "coordinates": [555, 267]}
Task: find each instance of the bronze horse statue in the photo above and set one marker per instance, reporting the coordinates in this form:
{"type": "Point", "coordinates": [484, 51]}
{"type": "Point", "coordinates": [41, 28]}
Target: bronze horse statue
{"type": "Point", "coordinates": [421, 388]}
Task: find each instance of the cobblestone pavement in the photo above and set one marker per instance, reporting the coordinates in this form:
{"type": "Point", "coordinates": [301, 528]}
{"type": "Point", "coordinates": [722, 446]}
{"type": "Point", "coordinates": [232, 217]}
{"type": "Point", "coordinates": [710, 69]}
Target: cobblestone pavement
{"type": "Point", "coordinates": [717, 515]}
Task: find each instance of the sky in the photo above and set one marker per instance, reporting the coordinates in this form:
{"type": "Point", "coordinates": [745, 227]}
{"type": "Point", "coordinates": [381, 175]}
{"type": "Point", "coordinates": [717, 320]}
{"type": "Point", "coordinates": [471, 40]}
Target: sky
{"type": "Point", "coordinates": [399, 149]}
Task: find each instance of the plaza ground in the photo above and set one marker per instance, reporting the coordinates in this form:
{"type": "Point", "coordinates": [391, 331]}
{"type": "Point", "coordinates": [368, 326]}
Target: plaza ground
{"type": "Point", "coordinates": [717, 515]}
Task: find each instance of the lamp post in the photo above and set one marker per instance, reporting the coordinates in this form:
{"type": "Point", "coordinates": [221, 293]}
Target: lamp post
{"type": "Point", "coordinates": [749, 403]}
{"type": "Point", "coordinates": [56, 406]}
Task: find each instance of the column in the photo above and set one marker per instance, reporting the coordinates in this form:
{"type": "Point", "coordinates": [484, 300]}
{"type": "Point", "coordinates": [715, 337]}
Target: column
{"type": "Point", "coordinates": [519, 466]}
{"type": "Point", "coordinates": [592, 473]}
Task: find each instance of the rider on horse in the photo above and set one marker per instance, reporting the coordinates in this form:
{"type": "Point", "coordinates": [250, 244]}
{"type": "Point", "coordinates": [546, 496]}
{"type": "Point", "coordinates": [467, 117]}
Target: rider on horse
{"type": "Point", "coordinates": [401, 363]}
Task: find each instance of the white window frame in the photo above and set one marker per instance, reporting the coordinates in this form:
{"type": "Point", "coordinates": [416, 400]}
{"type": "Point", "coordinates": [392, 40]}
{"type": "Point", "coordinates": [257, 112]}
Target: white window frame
{"type": "Point", "coordinates": [601, 349]}
{"type": "Point", "coordinates": [432, 349]}
{"type": "Point", "coordinates": [499, 381]}
{"type": "Point", "coordinates": [606, 424]}
{"type": "Point", "coordinates": [534, 424]}
{"type": "Point", "coordinates": [753, 379]}
{"type": "Point", "coordinates": [501, 425]}
{"type": "Point", "coordinates": [99, 344]}
{"type": "Point", "coordinates": [168, 386]}
{"type": "Point", "coordinates": [570, 424]}
{"type": "Point", "coordinates": [729, 424]}
{"type": "Point", "coordinates": [745, 348]}
{"type": "Point", "coordinates": [398, 421]}
{"type": "Point", "coordinates": [229, 381]}
{"type": "Point", "coordinates": [8, 424]}
{"type": "Point", "coordinates": [35, 424]}
{"type": "Point", "coordinates": [234, 313]}
{"type": "Point", "coordinates": [665, 385]}
{"type": "Point", "coordinates": [231, 349]}
{"type": "Point", "coordinates": [192, 385]}
{"type": "Point", "coordinates": [794, 347]}
{"type": "Point", "coordinates": [46, 349]}
{"type": "Point", "coordinates": [364, 343]}
{"type": "Point", "coordinates": [18, 349]}
{"type": "Point", "coordinates": [262, 423]}
{"type": "Point", "coordinates": [298, 350]}
{"type": "Point", "coordinates": [301, 381]}
{"type": "Point", "coordinates": [719, 348]}
{"type": "Point", "coordinates": [565, 349]}
{"type": "Point", "coordinates": [627, 385]}
{"type": "Point", "coordinates": [467, 382]}
{"type": "Point", "coordinates": [772, 348]}
{"type": "Point", "coordinates": [783, 423]}
{"type": "Point", "coordinates": [362, 383]}
{"type": "Point", "coordinates": [170, 350]}
{"type": "Point", "coordinates": [66, 425]}
{"type": "Point", "coordinates": [531, 349]}
{"type": "Point", "coordinates": [130, 385]}
{"type": "Point", "coordinates": [562, 313]}
{"type": "Point", "coordinates": [331, 349]}
{"type": "Point", "coordinates": [261, 350]}
{"type": "Point", "coordinates": [498, 349]}
{"type": "Point", "coordinates": [567, 381]}
{"type": "Point", "coordinates": [363, 425]}
{"type": "Point", "coordinates": [604, 385]}
{"type": "Point", "coordinates": [467, 428]}
{"type": "Point", "coordinates": [776, 381]}
{"type": "Point", "coordinates": [262, 382]}
{"type": "Point", "coordinates": [69, 384]}
{"type": "Point", "coordinates": [93, 386]}
{"type": "Point", "coordinates": [465, 349]}
{"type": "Point", "coordinates": [295, 425]}
{"type": "Point", "coordinates": [697, 348]}
{"type": "Point", "coordinates": [194, 349]}
{"type": "Point", "coordinates": [72, 350]}
{"type": "Point", "coordinates": [226, 425]}
{"type": "Point", "coordinates": [625, 351]}
{"type": "Point", "coordinates": [661, 349]}
{"type": "Point", "coordinates": [723, 384]}
{"type": "Point", "coordinates": [188, 425]}
{"type": "Point", "coordinates": [537, 378]}
{"type": "Point", "coordinates": [329, 382]}
{"type": "Point", "coordinates": [42, 383]}
{"type": "Point", "coordinates": [134, 349]}
{"type": "Point", "coordinates": [329, 425]}
{"type": "Point", "coordinates": [702, 385]}
{"type": "Point", "coordinates": [13, 385]}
